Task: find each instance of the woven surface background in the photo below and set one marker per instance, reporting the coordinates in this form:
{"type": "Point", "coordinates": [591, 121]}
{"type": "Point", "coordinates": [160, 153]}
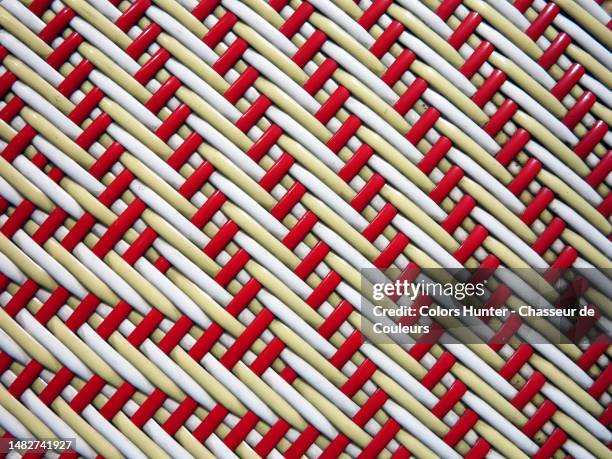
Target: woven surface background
{"type": "Point", "coordinates": [188, 190]}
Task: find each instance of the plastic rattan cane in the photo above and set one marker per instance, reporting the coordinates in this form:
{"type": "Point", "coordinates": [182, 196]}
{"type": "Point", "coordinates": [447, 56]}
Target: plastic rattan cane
{"type": "Point", "coordinates": [189, 190]}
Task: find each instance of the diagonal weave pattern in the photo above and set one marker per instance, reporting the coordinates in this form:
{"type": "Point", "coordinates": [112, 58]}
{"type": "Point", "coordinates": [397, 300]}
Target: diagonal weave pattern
{"type": "Point", "coordinates": [188, 190]}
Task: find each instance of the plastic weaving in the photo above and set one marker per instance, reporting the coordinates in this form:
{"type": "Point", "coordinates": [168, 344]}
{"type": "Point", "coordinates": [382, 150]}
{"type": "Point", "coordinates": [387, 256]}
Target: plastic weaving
{"type": "Point", "coordinates": [189, 191]}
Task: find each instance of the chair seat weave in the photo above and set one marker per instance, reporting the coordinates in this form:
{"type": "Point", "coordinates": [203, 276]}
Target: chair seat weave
{"type": "Point", "coordinates": [190, 189]}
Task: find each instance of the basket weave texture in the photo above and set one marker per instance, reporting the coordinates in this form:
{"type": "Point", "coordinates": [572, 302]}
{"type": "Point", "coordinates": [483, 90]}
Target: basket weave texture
{"type": "Point", "coordinates": [189, 190]}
